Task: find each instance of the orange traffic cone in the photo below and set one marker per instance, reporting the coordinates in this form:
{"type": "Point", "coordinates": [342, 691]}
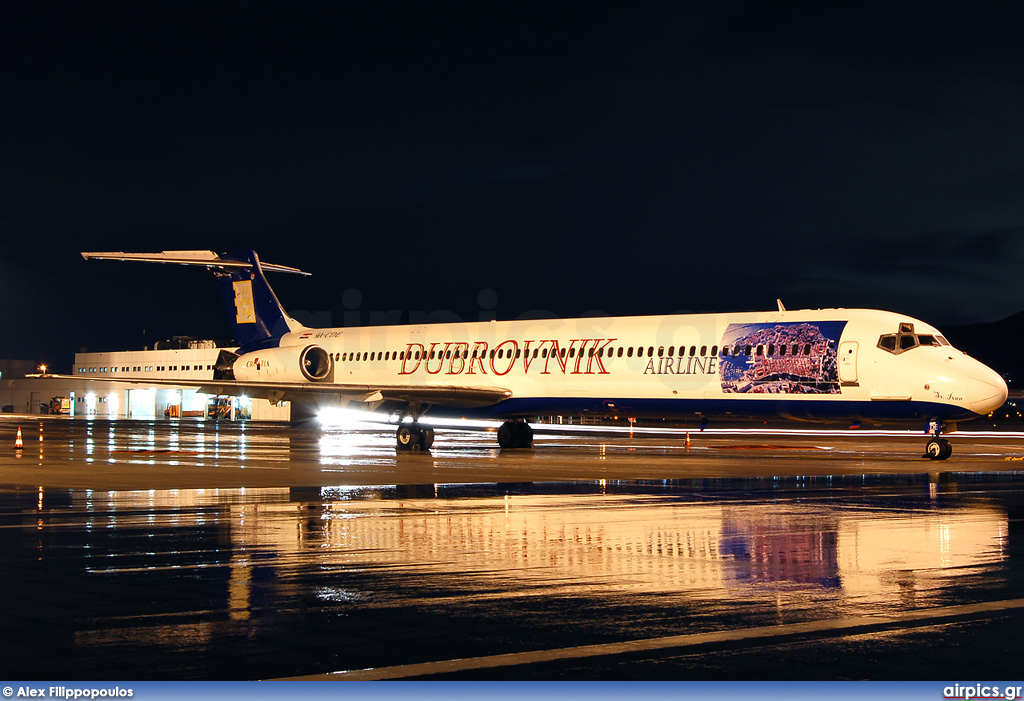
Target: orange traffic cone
{"type": "Point", "coordinates": [18, 443]}
{"type": "Point", "coordinates": [687, 439]}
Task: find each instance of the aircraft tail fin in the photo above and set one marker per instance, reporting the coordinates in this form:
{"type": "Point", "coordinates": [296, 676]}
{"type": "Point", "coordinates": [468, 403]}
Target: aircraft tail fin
{"type": "Point", "coordinates": [258, 317]}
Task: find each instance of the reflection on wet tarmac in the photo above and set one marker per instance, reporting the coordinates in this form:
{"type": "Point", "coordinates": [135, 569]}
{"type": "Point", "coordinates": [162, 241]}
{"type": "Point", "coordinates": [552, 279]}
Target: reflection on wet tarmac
{"type": "Point", "coordinates": [253, 583]}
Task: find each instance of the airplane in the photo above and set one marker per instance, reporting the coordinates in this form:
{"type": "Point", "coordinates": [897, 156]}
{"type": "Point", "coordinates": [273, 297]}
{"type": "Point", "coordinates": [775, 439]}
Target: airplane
{"type": "Point", "coordinates": [825, 365]}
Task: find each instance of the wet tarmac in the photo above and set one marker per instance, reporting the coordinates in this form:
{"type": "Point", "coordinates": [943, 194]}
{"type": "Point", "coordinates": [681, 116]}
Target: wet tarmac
{"type": "Point", "coordinates": [132, 455]}
{"type": "Point", "coordinates": [167, 550]}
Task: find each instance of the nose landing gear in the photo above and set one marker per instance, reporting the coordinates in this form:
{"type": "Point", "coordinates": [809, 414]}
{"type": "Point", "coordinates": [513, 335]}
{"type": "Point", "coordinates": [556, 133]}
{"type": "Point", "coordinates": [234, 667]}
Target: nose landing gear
{"type": "Point", "coordinates": [937, 448]}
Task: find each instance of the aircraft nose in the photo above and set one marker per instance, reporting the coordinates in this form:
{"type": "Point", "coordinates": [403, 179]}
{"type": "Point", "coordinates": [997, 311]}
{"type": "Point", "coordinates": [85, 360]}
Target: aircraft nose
{"type": "Point", "coordinates": [986, 392]}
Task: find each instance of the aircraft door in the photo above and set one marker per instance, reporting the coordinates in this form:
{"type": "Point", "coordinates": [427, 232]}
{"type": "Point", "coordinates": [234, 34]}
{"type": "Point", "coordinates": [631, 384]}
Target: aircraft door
{"type": "Point", "coordinates": [848, 362]}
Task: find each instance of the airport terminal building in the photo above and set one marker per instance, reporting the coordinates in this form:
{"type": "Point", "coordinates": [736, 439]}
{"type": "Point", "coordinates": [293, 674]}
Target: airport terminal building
{"type": "Point", "coordinates": [102, 390]}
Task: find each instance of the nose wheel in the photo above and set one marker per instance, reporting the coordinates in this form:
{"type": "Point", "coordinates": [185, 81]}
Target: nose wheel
{"type": "Point", "coordinates": [938, 449]}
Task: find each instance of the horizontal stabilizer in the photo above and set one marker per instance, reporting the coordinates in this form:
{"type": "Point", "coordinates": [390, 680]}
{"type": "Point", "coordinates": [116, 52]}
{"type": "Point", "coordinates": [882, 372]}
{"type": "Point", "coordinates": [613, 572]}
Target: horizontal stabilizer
{"type": "Point", "coordinates": [207, 259]}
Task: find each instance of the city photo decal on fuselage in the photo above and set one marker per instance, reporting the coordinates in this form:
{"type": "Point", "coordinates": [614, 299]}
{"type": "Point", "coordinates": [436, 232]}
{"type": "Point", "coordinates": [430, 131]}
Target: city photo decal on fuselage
{"type": "Point", "coordinates": [781, 358]}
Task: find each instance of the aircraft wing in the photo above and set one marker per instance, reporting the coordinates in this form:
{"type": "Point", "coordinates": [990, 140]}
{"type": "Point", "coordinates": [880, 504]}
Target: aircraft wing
{"type": "Point", "coordinates": [446, 395]}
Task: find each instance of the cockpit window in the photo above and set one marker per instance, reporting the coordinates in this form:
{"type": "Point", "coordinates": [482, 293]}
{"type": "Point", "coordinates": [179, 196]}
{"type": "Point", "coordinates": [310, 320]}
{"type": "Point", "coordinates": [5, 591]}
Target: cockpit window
{"type": "Point", "coordinates": [906, 340]}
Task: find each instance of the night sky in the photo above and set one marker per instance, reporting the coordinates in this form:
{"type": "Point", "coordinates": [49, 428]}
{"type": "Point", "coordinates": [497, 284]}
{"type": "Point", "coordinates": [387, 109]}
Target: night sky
{"type": "Point", "coordinates": [572, 158]}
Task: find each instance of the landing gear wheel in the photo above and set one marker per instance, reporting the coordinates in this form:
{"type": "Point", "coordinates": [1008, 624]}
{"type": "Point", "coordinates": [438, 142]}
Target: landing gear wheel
{"type": "Point", "coordinates": [414, 437]}
{"type": "Point", "coordinates": [408, 439]}
{"type": "Point", "coordinates": [515, 434]}
{"type": "Point", "coordinates": [426, 438]}
{"type": "Point", "coordinates": [938, 449]}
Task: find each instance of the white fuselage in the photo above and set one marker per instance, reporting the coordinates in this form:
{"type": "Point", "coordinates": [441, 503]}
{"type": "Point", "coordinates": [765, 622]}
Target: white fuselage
{"type": "Point", "coordinates": [821, 364]}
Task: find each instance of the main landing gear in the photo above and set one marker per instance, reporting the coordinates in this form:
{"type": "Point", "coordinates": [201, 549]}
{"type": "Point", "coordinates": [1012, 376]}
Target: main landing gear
{"type": "Point", "coordinates": [937, 448]}
{"type": "Point", "coordinates": [515, 434]}
{"type": "Point", "coordinates": [413, 436]}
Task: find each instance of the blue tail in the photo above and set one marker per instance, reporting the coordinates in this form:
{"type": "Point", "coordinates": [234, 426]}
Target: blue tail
{"type": "Point", "coordinates": [254, 309]}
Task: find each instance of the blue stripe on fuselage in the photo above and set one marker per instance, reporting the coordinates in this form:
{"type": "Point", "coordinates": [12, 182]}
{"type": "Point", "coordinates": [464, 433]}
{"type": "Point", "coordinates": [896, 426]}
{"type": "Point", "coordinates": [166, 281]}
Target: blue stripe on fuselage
{"type": "Point", "coordinates": [803, 409]}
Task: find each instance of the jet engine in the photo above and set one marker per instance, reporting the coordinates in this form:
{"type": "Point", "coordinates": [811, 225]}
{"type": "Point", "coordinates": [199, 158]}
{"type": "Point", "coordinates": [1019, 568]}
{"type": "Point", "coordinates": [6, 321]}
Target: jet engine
{"type": "Point", "coordinates": [285, 364]}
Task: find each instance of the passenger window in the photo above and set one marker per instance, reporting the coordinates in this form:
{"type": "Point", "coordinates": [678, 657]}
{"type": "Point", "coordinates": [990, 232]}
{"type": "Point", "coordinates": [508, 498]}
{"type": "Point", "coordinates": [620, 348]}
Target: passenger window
{"type": "Point", "coordinates": [619, 353]}
{"type": "Point", "coordinates": [746, 350]}
{"type": "Point", "coordinates": [661, 351]}
{"type": "Point", "coordinates": [629, 352]}
{"type": "Point", "coordinates": [704, 351]}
